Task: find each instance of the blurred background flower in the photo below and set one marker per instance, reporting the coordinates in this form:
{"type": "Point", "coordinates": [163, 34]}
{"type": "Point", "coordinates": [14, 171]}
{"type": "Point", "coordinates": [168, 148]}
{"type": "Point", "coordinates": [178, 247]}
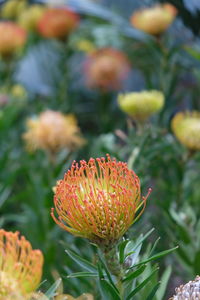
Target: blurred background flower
{"type": "Point", "coordinates": [154, 20]}
{"type": "Point", "coordinates": [186, 127]}
{"type": "Point", "coordinates": [141, 105]}
{"type": "Point", "coordinates": [106, 69]}
{"type": "Point", "coordinates": [11, 9]}
{"type": "Point", "coordinates": [188, 291]}
{"type": "Point", "coordinates": [29, 18]}
{"type": "Point", "coordinates": [12, 38]}
{"type": "Point", "coordinates": [53, 131]}
{"type": "Point", "coordinates": [57, 23]}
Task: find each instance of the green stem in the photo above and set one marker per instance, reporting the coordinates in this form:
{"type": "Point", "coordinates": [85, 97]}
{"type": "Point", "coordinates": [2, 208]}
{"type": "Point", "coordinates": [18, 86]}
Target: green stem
{"type": "Point", "coordinates": [114, 266]}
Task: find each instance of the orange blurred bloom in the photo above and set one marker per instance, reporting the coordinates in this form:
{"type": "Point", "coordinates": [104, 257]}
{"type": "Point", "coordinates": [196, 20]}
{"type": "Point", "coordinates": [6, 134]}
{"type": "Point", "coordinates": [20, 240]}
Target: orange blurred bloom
{"type": "Point", "coordinates": [53, 131]}
{"type": "Point", "coordinates": [20, 266]}
{"type": "Point", "coordinates": [57, 23]}
{"type": "Point", "coordinates": [106, 69]}
{"type": "Point", "coordinates": [12, 38]}
{"type": "Point", "coordinates": [154, 20]}
{"type": "Point", "coordinates": [98, 200]}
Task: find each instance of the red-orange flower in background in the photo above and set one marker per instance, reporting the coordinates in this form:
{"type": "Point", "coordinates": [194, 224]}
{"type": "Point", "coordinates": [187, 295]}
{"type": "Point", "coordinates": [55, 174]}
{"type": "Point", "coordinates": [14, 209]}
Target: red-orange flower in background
{"type": "Point", "coordinates": [20, 266]}
{"type": "Point", "coordinates": [106, 69]}
{"type": "Point", "coordinates": [57, 23]}
{"type": "Point", "coordinates": [12, 38]}
{"type": "Point", "coordinates": [154, 20]}
{"type": "Point", "coordinates": [98, 200]}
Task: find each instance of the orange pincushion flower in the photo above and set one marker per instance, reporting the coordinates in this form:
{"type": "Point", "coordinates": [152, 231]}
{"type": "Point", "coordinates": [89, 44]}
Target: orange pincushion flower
{"type": "Point", "coordinates": [98, 200]}
{"type": "Point", "coordinates": [12, 38]}
{"type": "Point", "coordinates": [57, 23]}
{"type": "Point", "coordinates": [154, 20]}
{"type": "Point", "coordinates": [53, 131]}
{"type": "Point", "coordinates": [106, 69]}
{"type": "Point", "coordinates": [20, 266]}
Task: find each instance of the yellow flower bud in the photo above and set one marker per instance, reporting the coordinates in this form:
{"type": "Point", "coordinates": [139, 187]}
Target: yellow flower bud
{"type": "Point", "coordinates": [18, 91]}
{"type": "Point", "coordinates": [12, 8]}
{"type": "Point", "coordinates": [186, 127]}
{"type": "Point", "coordinates": [141, 105]}
{"type": "Point", "coordinates": [29, 18]}
{"type": "Point", "coordinates": [85, 46]}
{"type": "Point", "coordinates": [154, 20]}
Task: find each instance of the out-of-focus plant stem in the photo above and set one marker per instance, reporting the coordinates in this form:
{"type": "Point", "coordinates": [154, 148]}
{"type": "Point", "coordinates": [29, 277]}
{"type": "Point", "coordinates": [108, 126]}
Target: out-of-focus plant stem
{"type": "Point", "coordinates": [104, 111]}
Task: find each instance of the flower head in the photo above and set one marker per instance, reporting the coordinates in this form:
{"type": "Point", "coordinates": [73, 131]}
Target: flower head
{"type": "Point", "coordinates": [141, 105]}
{"type": "Point", "coordinates": [12, 38]}
{"type": "Point", "coordinates": [53, 131]}
{"type": "Point", "coordinates": [154, 20]}
{"type": "Point", "coordinates": [18, 91]}
{"type": "Point", "coordinates": [12, 8]}
{"type": "Point", "coordinates": [106, 69]}
{"type": "Point", "coordinates": [85, 46]}
{"type": "Point", "coordinates": [20, 266]}
{"type": "Point", "coordinates": [186, 127]}
{"type": "Point", "coordinates": [98, 200]}
{"type": "Point", "coordinates": [57, 23]}
{"type": "Point", "coordinates": [189, 291]}
{"type": "Point", "coordinates": [30, 17]}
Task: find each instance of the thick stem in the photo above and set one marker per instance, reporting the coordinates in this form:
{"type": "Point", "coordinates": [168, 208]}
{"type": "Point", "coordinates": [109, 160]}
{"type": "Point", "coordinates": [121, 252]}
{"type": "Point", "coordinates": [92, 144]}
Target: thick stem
{"type": "Point", "coordinates": [114, 266]}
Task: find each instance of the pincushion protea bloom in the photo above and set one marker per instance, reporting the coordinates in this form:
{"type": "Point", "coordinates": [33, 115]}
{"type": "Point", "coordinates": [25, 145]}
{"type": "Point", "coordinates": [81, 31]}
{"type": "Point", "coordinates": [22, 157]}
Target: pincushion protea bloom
{"type": "Point", "coordinates": [12, 38]}
{"type": "Point", "coordinates": [98, 200]}
{"type": "Point", "coordinates": [141, 105]}
{"type": "Point", "coordinates": [154, 20]}
{"type": "Point", "coordinates": [186, 127]}
{"type": "Point", "coordinates": [57, 23]}
{"type": "Point", "coordinates": [53, 131]}
{"type": "Point", "coordinates": [189, 291]}
{"type": "Point", "coordinates": [106, 69]}
{"type": "Point", "coordinates": [20, 266]}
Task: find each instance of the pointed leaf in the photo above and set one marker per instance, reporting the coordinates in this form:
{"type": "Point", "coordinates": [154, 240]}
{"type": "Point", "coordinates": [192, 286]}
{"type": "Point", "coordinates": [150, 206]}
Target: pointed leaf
{"type": "Point", "coordinates": [163, 283]}
{"type": "Point", "coordinates": [51, 291]}
{"type": "Point", "coordinates": [156, 256]}
{"type": "Point", "coordinates": [82, 274]}
{"type": "Point", "coordinates": [81, 261]}
{"type": "Point", "coordinates": [141, 285]}
{"type": "Point", "coordinates": [134, 274]}
{"type": "Point", "coordinates": [153, 292]}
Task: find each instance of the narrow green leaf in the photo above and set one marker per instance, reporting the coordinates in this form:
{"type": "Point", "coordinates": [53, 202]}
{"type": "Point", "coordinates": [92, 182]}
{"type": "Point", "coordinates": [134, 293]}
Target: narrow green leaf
{"type": "Point", "coordinates": [153, 292]}
{"type": "Point", "coordinates": [154, 245]}
{"type": "Point", "coordinates": [51, 291]}
{"type": "Point", "coordinates": [121, 251]}
{"type": "Point", "coordinates": [164, 281]}
{"type": "Point", "coordinates": [134, 274]}
{"type": "Point", "coordinates": [82, 274]}
{"type": "Point", "coordinates": [107, 290]}
{"type": "Point", "coordinates": [141, 240]}
{"type": "Point", "coordinates": [141, 285]}
{"type": "Point", "coordinates": [156, 256]}
{"type": "Point", "coordinates": [81, 261]}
